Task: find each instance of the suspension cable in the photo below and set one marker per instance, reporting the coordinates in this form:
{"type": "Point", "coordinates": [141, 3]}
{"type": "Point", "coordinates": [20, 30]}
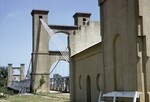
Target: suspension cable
{"type": "Point", "coordinates": [28, 71]}
{"type": "Point", "coordinates": [51, 32]}
{"type": "Point", "coordinates": [27, 76]}
{"type": "Point", "coordinates": [55, 66]}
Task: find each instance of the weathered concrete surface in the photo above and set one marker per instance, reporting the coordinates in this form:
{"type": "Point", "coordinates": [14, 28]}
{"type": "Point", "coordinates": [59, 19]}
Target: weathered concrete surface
{"type": "Point", "coordinates": [144, 32]}
{"type": "Point", "coordinates": [125, 40]}
{"type": "Point", "coordinates": [87, 35]}
{"type": "Point", "coordinates": [40, 58]}
{"type": "Point", "coordinates": [87, 64]}
{"type": "Point", "coordinates": [10, 76]}
{"type": "Point", "coordinates": [22, 67]}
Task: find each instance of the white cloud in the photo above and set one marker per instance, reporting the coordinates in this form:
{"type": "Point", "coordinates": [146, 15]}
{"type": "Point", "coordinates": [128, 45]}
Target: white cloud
{"type": "Point", "coordinates": [11, 14]}
{"type": "Point", "coordinates": [16, 15]}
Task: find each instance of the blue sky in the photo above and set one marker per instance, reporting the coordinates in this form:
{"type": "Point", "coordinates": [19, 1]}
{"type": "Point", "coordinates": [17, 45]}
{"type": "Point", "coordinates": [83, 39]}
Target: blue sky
{"type": "Point", "coordinates": [16, 24]}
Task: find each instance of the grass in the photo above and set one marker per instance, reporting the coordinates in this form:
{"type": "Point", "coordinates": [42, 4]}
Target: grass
{"type": "Point", "coordinates": [51, 97]}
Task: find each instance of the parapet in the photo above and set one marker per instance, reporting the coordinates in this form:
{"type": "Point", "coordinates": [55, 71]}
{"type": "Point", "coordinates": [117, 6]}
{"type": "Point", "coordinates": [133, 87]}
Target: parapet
{"type": "Point", "coordinates": [39, 12]}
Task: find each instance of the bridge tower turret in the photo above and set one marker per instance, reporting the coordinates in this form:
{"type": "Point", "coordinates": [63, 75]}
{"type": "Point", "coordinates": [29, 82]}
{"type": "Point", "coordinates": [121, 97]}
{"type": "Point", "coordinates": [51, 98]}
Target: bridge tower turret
{"type": "Point", "coordinates": [40, 66]}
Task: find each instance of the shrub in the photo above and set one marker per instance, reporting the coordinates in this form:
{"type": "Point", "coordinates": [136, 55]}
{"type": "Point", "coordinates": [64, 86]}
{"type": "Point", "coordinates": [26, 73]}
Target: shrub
{"type": "Point", "coordinates": [42, 80]}
{"type": "Point", "coordinates": [6, 91]}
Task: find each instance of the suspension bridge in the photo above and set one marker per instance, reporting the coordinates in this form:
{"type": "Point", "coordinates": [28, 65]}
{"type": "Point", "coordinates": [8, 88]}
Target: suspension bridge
{"type": "Point", "coordinates": [58, 84]}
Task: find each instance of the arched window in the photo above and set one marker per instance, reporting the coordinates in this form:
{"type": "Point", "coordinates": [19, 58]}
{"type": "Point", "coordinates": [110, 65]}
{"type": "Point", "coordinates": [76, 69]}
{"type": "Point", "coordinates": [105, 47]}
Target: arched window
{"type": "Point", "coordinates": [88, 88]}
{"type": "Point", "coordinates": [98, 82]}
{"type": "Point", "coordinates": [80, 82]}
{"type": "Point", "coordinates": [118, 66]}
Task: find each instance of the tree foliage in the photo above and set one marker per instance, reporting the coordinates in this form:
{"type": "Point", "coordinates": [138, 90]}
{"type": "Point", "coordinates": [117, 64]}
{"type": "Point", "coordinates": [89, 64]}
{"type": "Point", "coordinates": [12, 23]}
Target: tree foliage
{"type": "Point", "coordinates": [3, 80]}
{"type": "Point", "coordinates": [3, 76]}
{"type": "Point", "coordinates": [3, 72]}
{"type": "Point", "coordinates": [42, 80]}
{"type": "Point", "coordinates": [56, 76]}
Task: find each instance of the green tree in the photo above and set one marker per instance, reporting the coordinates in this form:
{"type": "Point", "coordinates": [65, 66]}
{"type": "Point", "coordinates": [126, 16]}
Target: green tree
{"type": "Point", "coordinates": [3, 80]}
{"type": "Point", "coordinates": [3, 76]}
{"type": "Point", "coordinates": [56, 76]}
{"type": "Point", "coordinates": [3, 72]}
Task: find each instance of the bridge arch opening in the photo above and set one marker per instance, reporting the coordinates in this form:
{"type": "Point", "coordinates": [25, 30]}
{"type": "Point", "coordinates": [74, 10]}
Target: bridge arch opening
{"type": "Point", "coordinates": [16, 74]}
{"type": "Point", "coordinates": [58, 41]}
{"type": "Point", "coordinates": [60, 67]}
{"type": "Point", "coordinates": [59, 70]}
{"type": "Point", "coordinates": [59, 76]}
